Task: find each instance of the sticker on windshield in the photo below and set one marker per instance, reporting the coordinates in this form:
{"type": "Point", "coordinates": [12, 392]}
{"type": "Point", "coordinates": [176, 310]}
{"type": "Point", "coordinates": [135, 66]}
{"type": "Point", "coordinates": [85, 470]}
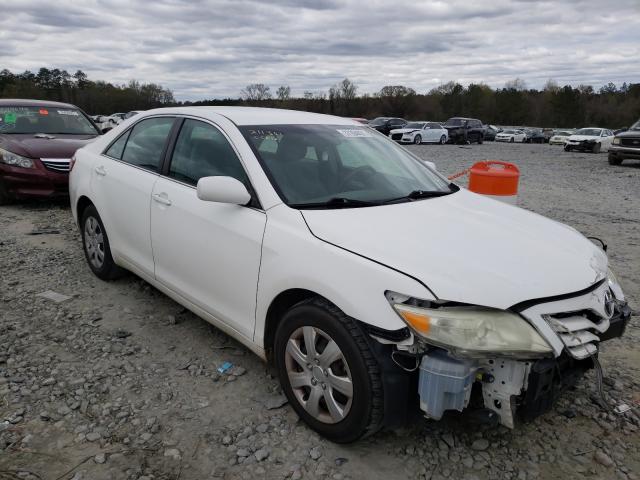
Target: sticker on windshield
{"type": "Point", "coordinates": [355, 133]}
{"type": "Point", "coordinates": [68, 112]}
{"type": "Point", "coordinates": [43, 111]}
{"type": "Point", "coordinates": [10, 117]}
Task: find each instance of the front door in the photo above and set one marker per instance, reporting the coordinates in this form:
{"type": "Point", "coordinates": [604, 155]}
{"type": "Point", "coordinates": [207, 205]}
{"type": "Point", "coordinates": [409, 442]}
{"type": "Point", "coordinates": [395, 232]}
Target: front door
{"type": "Point", "coordinates": [207, 252]}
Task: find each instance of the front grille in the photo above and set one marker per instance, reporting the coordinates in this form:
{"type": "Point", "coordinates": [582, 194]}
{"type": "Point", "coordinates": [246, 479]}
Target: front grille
{"type": "Point", "coordinates": [630, 142]}
{"type": "Point", "coordinates": [578, 330]}
{"type": "Point", "coordinates": [60, 165]}
{"type": "Point", "coordinates": [396, 136]}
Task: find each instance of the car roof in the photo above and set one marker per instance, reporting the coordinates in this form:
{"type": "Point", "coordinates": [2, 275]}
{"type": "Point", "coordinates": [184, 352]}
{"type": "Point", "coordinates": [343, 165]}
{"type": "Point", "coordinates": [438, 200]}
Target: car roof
{"type": "Point", "coordinates": [257, 115]}
{"type": "Point", "coordinates": [20, 102]}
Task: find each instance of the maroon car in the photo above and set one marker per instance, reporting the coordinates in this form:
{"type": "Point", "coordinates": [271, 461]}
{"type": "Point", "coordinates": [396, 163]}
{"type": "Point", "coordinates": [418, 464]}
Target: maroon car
{"type": "Point", "coordinates": [37, 141]}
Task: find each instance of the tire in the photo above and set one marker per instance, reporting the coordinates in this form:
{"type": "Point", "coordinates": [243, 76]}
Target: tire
{"type": "Point", "coordinates": [613, 160]}
{"type": "Point", "coordinates": [567, 148]}
{"type": "Point", "coordinates": [512, 140]}
{"type": "Point", "coordinates": [95, 244]}
{"type": "Point", "coordinates": [357, 416]}
{"type": "Point", "coordinates": [5, 198]}
{"type": "Point", "coordinates": [596, 148]}
{"type": "Point", "coordinates": [480, 140]}
{"type": "Point", "coordinates": [417, 140]}
{"type": "Point", "coordinates": [443, 140]}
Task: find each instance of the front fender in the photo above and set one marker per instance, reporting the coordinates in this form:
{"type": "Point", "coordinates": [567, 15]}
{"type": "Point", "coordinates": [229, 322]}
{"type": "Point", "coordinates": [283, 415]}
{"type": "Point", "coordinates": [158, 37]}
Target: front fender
{"type": "Point", "coordinates": [292, 258]}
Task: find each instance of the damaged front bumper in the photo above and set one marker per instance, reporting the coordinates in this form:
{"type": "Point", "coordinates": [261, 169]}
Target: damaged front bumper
{"type": "Point", "coordinates": [506, 388]}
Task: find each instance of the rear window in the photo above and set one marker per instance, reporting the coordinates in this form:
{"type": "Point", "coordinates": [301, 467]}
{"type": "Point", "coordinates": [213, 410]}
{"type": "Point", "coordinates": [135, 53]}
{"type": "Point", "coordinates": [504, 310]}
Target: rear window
{"type": "Point", "coordinates": [48, 120]}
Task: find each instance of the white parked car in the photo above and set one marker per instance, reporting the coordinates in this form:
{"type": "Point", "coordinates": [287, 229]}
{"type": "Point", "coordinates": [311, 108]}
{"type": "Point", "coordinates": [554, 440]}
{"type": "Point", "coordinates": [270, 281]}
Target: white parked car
{"type": "Point", "coordinates": [420, 132]}
{"type": "Point", "coordinates": [364, 275]}
{"type": "Point", "coordinates": [511, 136]}
{"type": "Point", "coordinates": [560, 137]}
{"type": "Point", "coordinates": [591, 139]}
{"type": "Point", "coordinates": [105, 123]}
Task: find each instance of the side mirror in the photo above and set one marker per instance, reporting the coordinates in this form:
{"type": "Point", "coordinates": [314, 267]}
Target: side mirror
{"type": "Point", "coordinates": [222, 190]}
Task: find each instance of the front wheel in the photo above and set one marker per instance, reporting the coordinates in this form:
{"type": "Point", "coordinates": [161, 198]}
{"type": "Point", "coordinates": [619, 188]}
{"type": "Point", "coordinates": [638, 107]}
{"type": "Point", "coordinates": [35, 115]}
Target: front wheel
{"type": "Point", "coordinates": [614, 160]}
{"type": "Point", "coordinates": [512, 140]}
{"type": "Point", "coordinates": [567, 148]}
{"type": "Point", "coordinates": [96, 246]}
{"type": "Point", "coordinates": [596, 148]}
{"type": "Point", "coordinates": [417, 140]}
{"type": "Point", "coordinates": [443, 140]}
{"type": "Point", "coordinates": [480, 140]}
{"type": "Point", "coordinates": [328, 372]}
{"type": "Point", "coordinates": [5, 199]}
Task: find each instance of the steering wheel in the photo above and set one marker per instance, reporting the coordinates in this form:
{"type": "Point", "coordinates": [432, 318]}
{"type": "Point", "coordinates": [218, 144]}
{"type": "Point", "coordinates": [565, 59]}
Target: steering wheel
{"type": "Point", "coordinates": [365, 171]}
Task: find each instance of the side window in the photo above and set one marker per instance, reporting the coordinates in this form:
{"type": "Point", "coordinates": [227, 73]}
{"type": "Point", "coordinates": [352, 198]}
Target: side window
{"type": "Point", "coordinates": [203, 151]}
{"type": "Point", "coordinates": [117, 147]}
{"type": "Point", "coordinates": [146, 142]}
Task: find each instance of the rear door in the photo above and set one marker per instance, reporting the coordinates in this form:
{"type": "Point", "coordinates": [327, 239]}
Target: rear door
{"type": "Point", "coordinates": [208, 253]}
{"type": "Point", "coordinates": [122, 182]}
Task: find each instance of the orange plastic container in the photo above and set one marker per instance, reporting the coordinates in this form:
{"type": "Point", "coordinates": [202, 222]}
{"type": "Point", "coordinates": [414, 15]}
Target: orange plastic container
{"type": "Point", "coordinates": [495, 178]}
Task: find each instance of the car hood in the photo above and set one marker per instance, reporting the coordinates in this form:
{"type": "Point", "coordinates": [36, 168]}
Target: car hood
{"type": "Point", "coordinates": [60, 146]}
{"type": "Point", "coordinates": [468, 248]}
{"type": "Point", "coordinates": [579, 138]}
{"type": "Point", "coordinates": [629, 133]}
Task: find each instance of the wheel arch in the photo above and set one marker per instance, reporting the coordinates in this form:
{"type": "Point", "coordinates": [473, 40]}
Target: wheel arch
{"type": "Point", "coordinates": [81, 205]}
{"type": "Point", "coordinates": [278, 306]}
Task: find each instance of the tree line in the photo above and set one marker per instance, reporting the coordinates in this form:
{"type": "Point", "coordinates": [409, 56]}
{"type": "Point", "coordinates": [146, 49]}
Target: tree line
{"type": "Point", "coordinates": [94, 97]}
{"type": "Point", "coordinates": [610, 106]}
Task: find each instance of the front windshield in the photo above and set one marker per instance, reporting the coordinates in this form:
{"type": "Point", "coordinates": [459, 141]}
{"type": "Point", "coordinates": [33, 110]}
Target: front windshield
{"type": "Point", "coordinates": [378, 121]}
{"type": "Point", "coordinates": [48, 120]}
{"type": "Point", "coordinates": [414, 125]}
{"type": "Point", "coordinates": [454, 122]}
{"type": "Point", "coordinates": [510, 131]}
{"type": "Point", "coordinates": [593, 132]}
{"type": "Point", "coordinates": [312, 164]}
{"type": "Point", "coordinates": [635, 126]}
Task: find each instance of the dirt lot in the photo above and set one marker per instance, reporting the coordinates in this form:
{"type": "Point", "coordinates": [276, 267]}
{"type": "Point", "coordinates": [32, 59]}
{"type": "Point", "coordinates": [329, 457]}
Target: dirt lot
{"type": "Point", "coordinates": [120, 382]}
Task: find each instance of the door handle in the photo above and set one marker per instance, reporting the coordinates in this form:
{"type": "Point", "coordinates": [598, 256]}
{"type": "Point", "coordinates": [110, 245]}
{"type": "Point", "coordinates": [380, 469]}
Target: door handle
{"type": "Point", "coordinates": [101, 171]}
{"type": "Point", "coordinates": [162, 198]}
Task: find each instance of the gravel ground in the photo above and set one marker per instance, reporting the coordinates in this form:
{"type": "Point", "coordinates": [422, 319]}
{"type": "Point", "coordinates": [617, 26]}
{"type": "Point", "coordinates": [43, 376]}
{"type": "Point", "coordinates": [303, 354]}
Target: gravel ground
{"type": "Point", "coordinates": [120, 382]}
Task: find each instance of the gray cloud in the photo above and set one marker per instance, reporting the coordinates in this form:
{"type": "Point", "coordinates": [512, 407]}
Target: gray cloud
{"type": "Point", "coordinates": [213, 48]}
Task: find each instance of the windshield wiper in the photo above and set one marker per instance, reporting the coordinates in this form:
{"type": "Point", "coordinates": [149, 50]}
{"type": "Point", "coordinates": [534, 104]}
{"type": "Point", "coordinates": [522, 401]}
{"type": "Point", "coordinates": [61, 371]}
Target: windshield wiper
{"type": "Point", "coordinates": [420, 194]}
{"type": "Point", "coordinates": [335, 202]}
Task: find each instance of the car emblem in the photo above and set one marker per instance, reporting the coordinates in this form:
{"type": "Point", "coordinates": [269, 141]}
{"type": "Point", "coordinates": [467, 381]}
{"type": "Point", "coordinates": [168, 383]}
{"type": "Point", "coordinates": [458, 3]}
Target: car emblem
{"type": "Point", "coordinates": [636, 142]}
{"type": "Point", "coordinates": [609, 304]}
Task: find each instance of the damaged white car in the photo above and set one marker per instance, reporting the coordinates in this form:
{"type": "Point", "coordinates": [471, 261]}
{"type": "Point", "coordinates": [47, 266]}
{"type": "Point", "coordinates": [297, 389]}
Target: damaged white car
{"type": "Point", "coordinates": [371, 282]}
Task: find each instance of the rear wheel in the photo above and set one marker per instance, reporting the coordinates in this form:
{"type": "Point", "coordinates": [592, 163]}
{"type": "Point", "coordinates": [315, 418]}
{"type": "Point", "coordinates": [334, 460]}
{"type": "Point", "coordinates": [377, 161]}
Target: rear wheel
{"type": "Point", "coordinates": [96, 246]}
{"type": "Point", "coordinates": [328, 372]}
{"type": "Point", "coordinates": [417, 140]}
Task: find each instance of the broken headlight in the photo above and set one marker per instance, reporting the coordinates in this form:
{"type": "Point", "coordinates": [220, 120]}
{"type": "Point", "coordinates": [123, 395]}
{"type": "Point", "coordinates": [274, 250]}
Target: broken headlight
{"type": "Point", "coordinates": [15, 160]}
{"type": "Point", "coordinates": [471, 330]}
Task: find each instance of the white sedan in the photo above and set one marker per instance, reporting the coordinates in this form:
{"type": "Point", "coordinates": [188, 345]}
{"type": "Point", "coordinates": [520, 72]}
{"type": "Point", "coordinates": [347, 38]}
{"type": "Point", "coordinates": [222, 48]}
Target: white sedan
{"type": "Point", "coordinates": [347, 262]}
{"type": "Point", "coordinates": [420, 132]}
{"type": "Point", "coordinates": [511, 136]}
{"type": "Point", "coordinates": [591, 139]}
{"type": "Point", "coordinates": [560, 137]}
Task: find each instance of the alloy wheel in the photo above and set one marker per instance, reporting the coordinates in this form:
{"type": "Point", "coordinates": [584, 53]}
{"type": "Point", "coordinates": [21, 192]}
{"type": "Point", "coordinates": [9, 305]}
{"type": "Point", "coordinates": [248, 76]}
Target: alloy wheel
{"type": "Point", "coordinates": [319, 374]}
{"type": "Point", "coordinates": [94, 242]}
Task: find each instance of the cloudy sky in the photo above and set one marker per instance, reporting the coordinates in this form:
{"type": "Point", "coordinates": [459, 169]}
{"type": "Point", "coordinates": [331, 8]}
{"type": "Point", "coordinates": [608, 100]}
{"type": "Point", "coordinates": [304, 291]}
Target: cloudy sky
{"type": "Point", "coordinates": [213, 48]}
